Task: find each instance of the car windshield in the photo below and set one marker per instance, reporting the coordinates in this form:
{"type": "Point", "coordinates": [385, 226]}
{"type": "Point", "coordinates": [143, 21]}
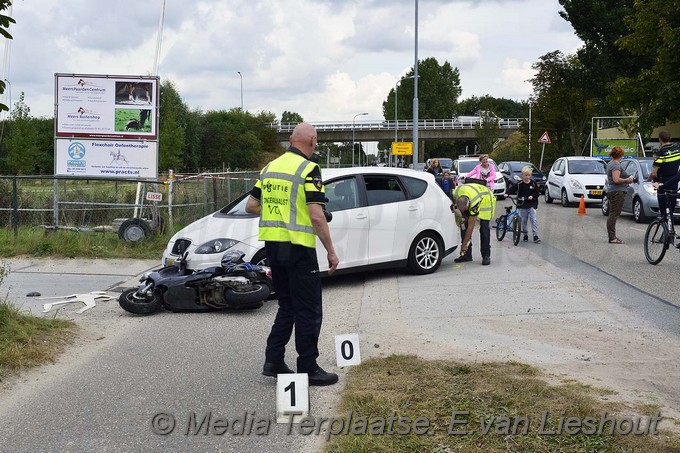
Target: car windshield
{"type": "Point", "coordinates": [445, 163]}
{"type": "Point", "coordinates": [237, 207]}
{"type": "Point", "coordinates": [466, 166]}
{"type": "Point", "coordinates": [517, 167]}
{"type": "Point", "coordinates": [587, 167]}
{"type": "Point", "coordinates": [646, 166]}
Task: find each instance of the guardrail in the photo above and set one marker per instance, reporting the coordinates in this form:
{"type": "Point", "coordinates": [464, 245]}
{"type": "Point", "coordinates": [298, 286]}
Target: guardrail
{"type": "Point", "coordinates": [452, 123]}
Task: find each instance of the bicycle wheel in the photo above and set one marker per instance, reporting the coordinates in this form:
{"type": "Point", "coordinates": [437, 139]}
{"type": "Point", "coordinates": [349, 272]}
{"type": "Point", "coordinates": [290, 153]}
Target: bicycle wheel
{"type": "Point", "coordinates": [500, 227]}
{"type": "Point", "coordinates": [656, 241]}
{"type": "Point", "coordinates": [516, 230]}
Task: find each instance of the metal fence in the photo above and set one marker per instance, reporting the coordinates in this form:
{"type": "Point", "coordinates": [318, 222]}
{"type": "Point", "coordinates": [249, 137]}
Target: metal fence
{"type": "Point", "coordinates": [77, 203]}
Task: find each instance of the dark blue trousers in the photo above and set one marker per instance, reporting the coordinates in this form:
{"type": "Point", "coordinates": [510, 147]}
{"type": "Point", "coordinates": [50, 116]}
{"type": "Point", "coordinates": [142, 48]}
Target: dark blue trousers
{"type": "Point", "coordinates": [295, 272]}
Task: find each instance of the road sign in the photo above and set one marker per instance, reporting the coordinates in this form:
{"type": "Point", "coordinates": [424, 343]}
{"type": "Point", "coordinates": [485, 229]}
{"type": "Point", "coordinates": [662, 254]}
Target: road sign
{"type": "Point", "coordinates": [402, 148]}
{"type": "Point", "coordinates": [545, 138]}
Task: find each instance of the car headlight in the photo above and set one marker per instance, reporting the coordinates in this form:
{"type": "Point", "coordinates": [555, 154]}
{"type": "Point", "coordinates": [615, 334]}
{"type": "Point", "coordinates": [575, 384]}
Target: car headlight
{"type": "Point", "coordinates": [544, 178]}
{"type": "Point", "coordinates": [575, 184]}
{"type": "Point", "coordinates": [499, 180]}
{"type": "Point", "coordinates": [649, 188]}
{"type": "Point", "coordinates": [216, 246]}
{"type": "Point", "coordinates": [516, 178]}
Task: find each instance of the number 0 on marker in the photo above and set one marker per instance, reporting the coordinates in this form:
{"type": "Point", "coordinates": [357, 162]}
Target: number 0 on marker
{"type": "Point", "coordinates": [347, 349]}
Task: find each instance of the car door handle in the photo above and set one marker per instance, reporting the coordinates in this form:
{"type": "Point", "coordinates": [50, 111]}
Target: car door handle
{"type": "Point", "coordinates": [412, 208]}
{"type": "Point", "coordinates": [361, 216]}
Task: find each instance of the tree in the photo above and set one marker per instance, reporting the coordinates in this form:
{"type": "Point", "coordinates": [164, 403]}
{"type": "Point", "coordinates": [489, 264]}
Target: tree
{"type": "Point", "coordinates": [291, 117]}
{"type": "Point", "coordinates": [600, 24]}
{"type": "Point", "coordinates": [438, 92]}
{"type": "Point", "coordinates": [512, 148]}
{"type": "Point", "coordinates": [560, 104]}
{"type": "Point", "coordinates": [654, 90]}
{"type": "Point", "coordinates": [22, 143]}
{"type": "Point", "coordinates": [172, 128]}
{"type": "Point", "coordinates": [5, 22]}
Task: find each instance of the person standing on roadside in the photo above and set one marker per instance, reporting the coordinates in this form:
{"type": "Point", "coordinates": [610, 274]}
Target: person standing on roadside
{"type": "Point", "coordinates": [527, 190]}
{"type": "Point", "coordinates": [474, 201]}
{"type": "Point", "coordinates": [289, 197]}
{"type": "Point", "coordinates": [665, 166]}
{"type": "Point", "coordinates": [435, 168]}
{"type": "Point", "coordinates": [617, 187]}
{"type": "Point", "coordinates": [447, 184]}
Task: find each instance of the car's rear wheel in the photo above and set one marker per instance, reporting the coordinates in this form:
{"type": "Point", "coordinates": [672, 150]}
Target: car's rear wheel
{"type": "Point", "coordinates": [605, 205]}
{"type": "Point", "coordinates": [426, 253]}
{"type": "Point", "coordinates": [564, 198]}
{"type": "Point", "coordinates": [548, 198]}
{"type": "Point", "coordinates": [639, 211]}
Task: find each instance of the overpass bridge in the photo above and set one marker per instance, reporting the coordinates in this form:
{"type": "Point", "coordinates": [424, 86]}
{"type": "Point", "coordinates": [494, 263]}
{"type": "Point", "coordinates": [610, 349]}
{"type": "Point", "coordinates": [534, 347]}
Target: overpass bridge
{"type": "Point", "coordinates": [373, 131]}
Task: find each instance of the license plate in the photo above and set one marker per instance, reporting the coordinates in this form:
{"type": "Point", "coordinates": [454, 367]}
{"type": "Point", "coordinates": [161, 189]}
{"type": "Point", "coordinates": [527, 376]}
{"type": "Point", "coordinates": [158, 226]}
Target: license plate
{"type": "Point", "coordinates": [595, 192]}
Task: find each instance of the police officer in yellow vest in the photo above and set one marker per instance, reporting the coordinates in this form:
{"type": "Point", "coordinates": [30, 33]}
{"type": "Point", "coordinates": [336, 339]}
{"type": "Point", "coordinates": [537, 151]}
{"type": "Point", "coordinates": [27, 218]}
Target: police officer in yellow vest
{"type": "Point", "coordinates": [475, 200]}
{"type": "Point", "coordinates": [289, 197]}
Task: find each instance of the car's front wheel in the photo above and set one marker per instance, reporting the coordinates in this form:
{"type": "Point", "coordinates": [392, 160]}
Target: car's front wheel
{"type": "Point", "coordinates": [426, 253]}
{"type": "Point", "coordinates": [564, 198]}
{"type": "Point", "coordinates": [639, 211]}
{"type": "Point", "coordinates": [548, 198]}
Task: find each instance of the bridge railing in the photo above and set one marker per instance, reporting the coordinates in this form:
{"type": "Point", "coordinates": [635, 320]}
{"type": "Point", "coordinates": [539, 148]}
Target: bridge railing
{"type": "Point", "coordinates": [450, 123]}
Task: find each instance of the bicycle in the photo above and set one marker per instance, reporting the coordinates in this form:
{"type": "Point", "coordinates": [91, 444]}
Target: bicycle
{"type": "Point", "coordinates": [660, 234]}
{"type": "Point", "coordinates": [510, 221]}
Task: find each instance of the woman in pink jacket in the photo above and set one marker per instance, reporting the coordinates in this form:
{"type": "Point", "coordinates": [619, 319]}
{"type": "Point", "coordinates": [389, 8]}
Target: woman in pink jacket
{"type": "Point", "coordinates": [484, 171]}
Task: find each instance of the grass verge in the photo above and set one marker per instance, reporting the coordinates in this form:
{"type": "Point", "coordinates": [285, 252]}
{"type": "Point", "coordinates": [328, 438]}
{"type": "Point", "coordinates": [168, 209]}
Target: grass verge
{"type": "Point", "coordinates": [71, 244]}
{"type": "Point", "coordinates": [501, 407]}
{"type": "Point", "coordinates": [27, 341]}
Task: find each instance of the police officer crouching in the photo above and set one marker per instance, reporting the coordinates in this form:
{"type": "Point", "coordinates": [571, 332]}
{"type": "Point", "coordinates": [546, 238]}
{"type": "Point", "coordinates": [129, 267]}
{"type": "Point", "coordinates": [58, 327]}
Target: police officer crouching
{"type": "Point", "coordinates": [289, 197]}
{"type": "Point", "coordinates": [474, 199]}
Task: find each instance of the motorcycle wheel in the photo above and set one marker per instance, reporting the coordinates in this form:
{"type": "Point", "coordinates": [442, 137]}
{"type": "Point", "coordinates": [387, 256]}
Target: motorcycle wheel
{"type": "Point", "coordinates": [140, 307]}
{"type": "Point", "coordinates": [247, 299]}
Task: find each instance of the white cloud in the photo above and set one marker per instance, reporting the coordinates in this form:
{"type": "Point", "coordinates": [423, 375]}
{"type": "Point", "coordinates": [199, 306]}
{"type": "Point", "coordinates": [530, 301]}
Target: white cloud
{"type": "Point", "coordinates": [326, 60]}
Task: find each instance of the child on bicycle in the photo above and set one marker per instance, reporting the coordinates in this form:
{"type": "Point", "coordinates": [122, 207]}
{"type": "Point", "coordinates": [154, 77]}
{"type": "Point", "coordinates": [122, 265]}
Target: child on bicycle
{"type": "Point", "coordinates": [527, 190]}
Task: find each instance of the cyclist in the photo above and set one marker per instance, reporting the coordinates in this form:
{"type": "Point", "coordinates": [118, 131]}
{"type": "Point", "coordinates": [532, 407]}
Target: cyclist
{"type": "Point", "coordinates": [665, 167]}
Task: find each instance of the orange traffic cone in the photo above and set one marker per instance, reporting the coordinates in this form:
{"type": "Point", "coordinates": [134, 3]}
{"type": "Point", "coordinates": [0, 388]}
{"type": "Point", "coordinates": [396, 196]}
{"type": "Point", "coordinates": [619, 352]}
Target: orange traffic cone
{"type": "Point", "coordinates": [582, 206]}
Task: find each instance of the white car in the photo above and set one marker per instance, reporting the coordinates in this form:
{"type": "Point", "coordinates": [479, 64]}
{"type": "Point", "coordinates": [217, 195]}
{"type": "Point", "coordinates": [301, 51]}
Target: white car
{"type": "Point", "coordinates": [571, 177]}
{"type": "Point", "coordinates": [382, 217]}
{"type": "Point", "coordinates": [464, 165]}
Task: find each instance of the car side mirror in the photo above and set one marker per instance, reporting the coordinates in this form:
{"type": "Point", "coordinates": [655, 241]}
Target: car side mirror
{"type": "Point", "coordinates": [559, 173]}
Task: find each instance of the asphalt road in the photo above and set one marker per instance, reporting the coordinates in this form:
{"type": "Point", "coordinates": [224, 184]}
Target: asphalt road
{"type": "Point", "coordinates": [103, 394]}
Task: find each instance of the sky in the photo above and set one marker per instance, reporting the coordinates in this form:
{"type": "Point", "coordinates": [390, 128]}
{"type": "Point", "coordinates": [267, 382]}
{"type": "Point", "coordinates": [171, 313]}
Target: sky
{"type": "Point", "coordinates": [324, 59]}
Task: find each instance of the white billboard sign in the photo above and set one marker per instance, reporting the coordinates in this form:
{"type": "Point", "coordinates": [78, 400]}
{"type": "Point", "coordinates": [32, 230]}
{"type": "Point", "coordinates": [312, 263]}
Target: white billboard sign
{"type": "Point", "coordinates": [103, 106]}
{"type": "Point", "coordinates": [123, 159]}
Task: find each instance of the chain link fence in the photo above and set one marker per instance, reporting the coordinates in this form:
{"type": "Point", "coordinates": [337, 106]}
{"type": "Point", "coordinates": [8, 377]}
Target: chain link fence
{"type": "Point", "coordinates": [77, 203]}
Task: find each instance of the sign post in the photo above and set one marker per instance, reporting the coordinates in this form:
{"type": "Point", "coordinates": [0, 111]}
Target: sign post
{"type": "Point", "coordinates": [545, 138]}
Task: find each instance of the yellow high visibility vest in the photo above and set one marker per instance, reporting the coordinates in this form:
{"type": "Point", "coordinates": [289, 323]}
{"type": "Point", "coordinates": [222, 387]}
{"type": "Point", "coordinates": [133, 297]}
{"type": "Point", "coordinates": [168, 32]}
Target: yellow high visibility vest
{"type": "Point", "coordinates": [477, 192]}
{"type": "Point", "coordinates": [285, 215]}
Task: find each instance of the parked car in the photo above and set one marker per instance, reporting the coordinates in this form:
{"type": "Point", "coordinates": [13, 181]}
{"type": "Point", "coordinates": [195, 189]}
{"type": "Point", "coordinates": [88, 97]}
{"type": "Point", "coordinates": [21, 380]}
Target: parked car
{"type": "Point", "coordinates": [512, 173]}
{"type": "Point", "coordinates": [573, 176]}
{"type": "Point", "coordinates": [382, 218]}
{"type": "Point", "coordinates": [464, 165]}
{"type": "Point", "coordinates": [640, 198]}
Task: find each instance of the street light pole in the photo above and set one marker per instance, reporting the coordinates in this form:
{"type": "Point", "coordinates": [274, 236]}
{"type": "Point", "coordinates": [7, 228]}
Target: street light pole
{"type": "Point", "coordinates": [396, 100]}
{"type": "Point", "coordinates": [355, 116]}
{"type": "Point", "coordinates": [241, 76]}
{"type": "Point", "coordinates": [415, 95]}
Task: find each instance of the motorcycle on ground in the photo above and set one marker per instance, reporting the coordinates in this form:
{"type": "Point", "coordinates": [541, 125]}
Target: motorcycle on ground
{"type": "Point", "coordinates": [233, 284]}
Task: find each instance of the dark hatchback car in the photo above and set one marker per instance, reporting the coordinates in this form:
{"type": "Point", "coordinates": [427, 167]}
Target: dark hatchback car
{"type": "Point", "coordinates": [512, 173]}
